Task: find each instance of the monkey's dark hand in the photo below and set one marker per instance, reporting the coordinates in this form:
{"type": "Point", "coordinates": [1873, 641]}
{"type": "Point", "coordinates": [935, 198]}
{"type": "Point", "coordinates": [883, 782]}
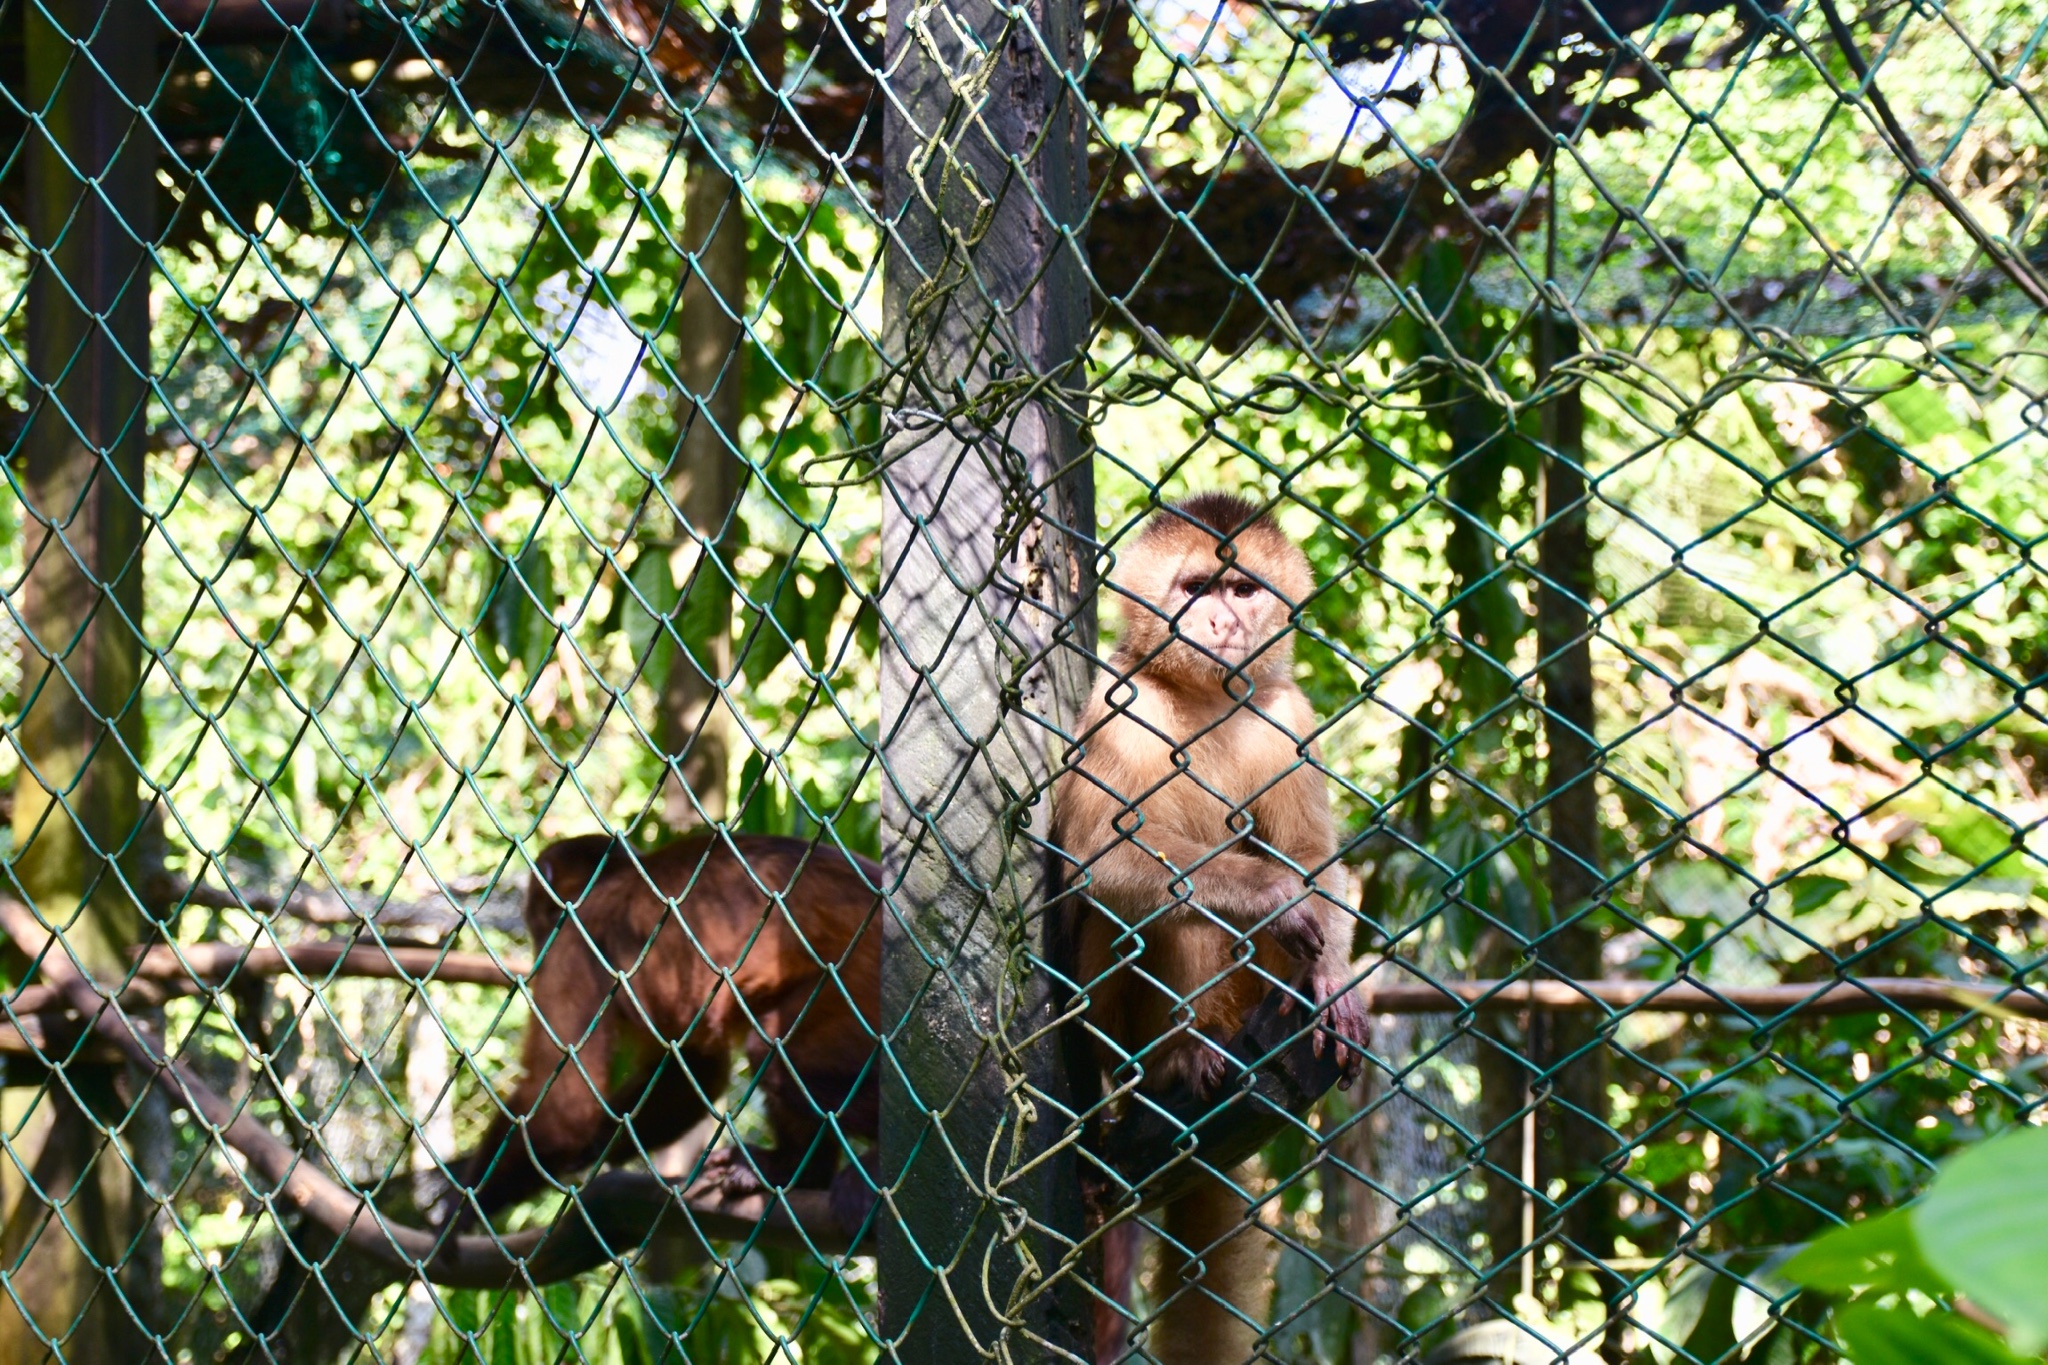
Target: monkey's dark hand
{"type": "Point", "coordinates": [1342, 1027]}
{"type": "Point", "coordinates": [447, 1207]}
{"type": "Point", "coordinates": [1200, 1065]}
{"type": "Point", "coordinates": [730, 1171]}
{"type": "Point", "coordinates": [851, 1194]}
{"type": "Point", "coordinates": [1298, 933]}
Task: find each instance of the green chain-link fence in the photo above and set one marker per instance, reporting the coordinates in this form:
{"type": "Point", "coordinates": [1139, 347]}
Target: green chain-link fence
{"type": "Point", "coordinates": [436, 433]}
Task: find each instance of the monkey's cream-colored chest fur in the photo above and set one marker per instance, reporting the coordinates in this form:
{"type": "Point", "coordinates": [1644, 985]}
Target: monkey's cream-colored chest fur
{"type": "Point", "coordinates": [1203, 771]}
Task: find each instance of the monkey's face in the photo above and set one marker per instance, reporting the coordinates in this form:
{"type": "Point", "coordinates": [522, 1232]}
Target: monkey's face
{"type": "Point", "coordinates": [1200, 618]}
{"type": "Point", "coordinates": [1209, 606]}
{"type": "Point", "coordinates": [1227, 617]}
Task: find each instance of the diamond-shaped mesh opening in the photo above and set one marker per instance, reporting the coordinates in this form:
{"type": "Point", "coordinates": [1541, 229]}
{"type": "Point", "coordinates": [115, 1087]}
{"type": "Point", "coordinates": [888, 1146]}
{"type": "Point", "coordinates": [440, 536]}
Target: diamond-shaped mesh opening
{"type": "Point", "coordinates": [635, 731]}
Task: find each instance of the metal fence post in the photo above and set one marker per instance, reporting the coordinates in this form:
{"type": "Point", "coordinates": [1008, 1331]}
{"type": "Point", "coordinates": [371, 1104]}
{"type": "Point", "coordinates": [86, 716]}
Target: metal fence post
{"type": "Point", "coordinates": [91, 187]}
{"type": "Point", "coordinates": [986, 593]}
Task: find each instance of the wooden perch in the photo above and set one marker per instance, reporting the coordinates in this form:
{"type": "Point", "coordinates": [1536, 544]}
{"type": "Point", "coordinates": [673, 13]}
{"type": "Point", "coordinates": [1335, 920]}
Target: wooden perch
{"type": "Point", "coordinates": [614, 1214]}
{"type": "Point", "coordinates": [1147, 1155]}
{"type": "Point", "coordinates": [622, 1212]}
{"type": "Point", "coordinates": [1151, 1153]}
{"type": "Point", "coordinates": [1865, 995]}
{"type": "Point", "coordinates": [306, 903]}
{"type": "Point", "coordinates": [162, 972]}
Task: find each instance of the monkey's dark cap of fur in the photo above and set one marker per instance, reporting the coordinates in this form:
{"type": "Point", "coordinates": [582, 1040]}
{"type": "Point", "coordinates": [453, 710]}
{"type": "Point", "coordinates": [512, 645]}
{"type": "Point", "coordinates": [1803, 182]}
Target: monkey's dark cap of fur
{"type": "Point", "coordinates": [1222, 514]}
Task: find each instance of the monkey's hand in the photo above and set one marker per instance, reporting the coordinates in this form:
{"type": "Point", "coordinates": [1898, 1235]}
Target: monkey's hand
{"type": "Point", "coordinates": [730, 1171]}
{"type": "Point", "coordinates": [1197, 1063]}
{"type": "Point", "coordinates": [1299, 933]}
{"type": "Point", "coordinates": [448, 1209]}
{"type": "Point", "coordinates": [1342, 1027]}
{"type": "Point", "coordinates": [851, 1194]}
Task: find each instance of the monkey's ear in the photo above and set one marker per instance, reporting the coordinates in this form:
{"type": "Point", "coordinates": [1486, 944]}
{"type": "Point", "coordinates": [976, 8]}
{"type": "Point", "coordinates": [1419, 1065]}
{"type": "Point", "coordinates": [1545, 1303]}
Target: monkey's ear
{"type": "Point", "coordinates": [571, 867]}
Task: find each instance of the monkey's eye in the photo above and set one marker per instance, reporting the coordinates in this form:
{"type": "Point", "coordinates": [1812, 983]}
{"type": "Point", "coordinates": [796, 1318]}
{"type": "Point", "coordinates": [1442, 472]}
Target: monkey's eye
{"type": "Point", "coordinates": [1195, 587]}
{"type": "Point", "coordinates": [1243, 589]}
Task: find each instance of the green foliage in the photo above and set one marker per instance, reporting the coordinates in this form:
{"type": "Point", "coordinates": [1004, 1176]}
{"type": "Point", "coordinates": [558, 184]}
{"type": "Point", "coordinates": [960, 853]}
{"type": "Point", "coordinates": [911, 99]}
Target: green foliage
{"type": "Point", "coordinates": [732, 1315]}
{"type": "Point", "coordinates": [1976, 1237]}
{"type": "Point", "coordinates": [1896, 1335]}
{"type": "Point", "coordinates": [1880, 1254]}
{"type": "Point", "coordinates": [1980, 1228]}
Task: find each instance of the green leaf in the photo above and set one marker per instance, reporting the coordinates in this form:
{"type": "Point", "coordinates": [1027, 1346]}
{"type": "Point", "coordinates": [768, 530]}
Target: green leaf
{"type": "Point", "coordinates": [820, 609]}
{"type": "Point", "coordinates": [1702, 891]}
{"type": "Point", "coordinates": [1878, 1253]}
{"type": "Point", "coordinates": [636, 1339]}
{"type": "Point", "coordinates": [1898, 1336]}
{"type": "Point", "coordinates": [769, 635]}
{"type": "Point", "coordinates": [1427, 1310]}
{"type": "Point", "coordinates": [867, 629]}
{"type": "Point", "coordinates": [1916, 403]}
{"type": "Point", "coordinates": [518, 619]}
{"type": "Point", "coordinates": [1983, 1229]}
{"type": "Point", "coordinates": [1701, 1310]}
{"type": "Point", "coordinates": [645, 619]}
{"type": "Point", "coordinates": [465, 1309]}
{"type": "Point", "coordinates": [503, 1338]}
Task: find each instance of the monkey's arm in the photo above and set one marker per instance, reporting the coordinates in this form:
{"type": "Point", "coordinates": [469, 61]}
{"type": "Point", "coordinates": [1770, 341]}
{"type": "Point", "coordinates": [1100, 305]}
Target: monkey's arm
{"type": "Point", "coordinates": [1146, 862]}
{"type": "Point", "coordinates": [1293, 818]}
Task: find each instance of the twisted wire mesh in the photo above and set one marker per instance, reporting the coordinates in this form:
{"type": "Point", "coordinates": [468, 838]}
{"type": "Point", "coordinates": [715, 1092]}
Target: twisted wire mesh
{"type": "Point", "coordinates": [434, 432]}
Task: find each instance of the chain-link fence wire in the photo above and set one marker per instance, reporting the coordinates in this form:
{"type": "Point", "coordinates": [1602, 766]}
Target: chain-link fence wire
{"type": "Point", "coordinates": [437, 433]}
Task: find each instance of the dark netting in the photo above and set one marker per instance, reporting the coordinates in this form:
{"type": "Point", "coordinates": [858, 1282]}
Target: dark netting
{"type": "Point", "coordinates": [657, 705]}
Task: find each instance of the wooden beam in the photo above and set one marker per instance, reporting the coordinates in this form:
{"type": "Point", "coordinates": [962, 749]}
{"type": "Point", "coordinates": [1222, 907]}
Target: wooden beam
{"type": "Point", "coordinates": [217, 961]}
{"type": "Point", "coordinates": [162, 973]}
{"type": "Point", "coordinates": [1866, 995]}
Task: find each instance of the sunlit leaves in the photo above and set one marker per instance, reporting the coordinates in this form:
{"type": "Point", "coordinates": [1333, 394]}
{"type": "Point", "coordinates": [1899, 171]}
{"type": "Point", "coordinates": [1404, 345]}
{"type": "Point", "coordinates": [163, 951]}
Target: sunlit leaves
{"type": "Point", "coordinates": [1982, 1228]}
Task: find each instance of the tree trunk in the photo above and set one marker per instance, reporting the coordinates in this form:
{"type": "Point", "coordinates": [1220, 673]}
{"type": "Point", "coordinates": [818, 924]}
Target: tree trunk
{"type": "Point", "coordinates": [1569, 1050]}
{"type": "Point", "coordinates": [75, 1231]}
{"type": "Point", "coordinates": [1490, 621]}
{"type": "Point", "coordinates": [987, 537]}
{"type": "Point", "coordinates": [708, 477]}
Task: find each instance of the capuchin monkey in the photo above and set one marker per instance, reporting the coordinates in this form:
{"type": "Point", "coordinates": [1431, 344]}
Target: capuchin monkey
{"type": "Point", "coordinates": [794, 925]}
{"type": "Point", "coordinates": [1204, 873]}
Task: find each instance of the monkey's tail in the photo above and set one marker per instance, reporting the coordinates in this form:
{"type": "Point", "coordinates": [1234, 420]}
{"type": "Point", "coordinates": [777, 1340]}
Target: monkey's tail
{"type": "Point", "coordinates": [1217, 1275]}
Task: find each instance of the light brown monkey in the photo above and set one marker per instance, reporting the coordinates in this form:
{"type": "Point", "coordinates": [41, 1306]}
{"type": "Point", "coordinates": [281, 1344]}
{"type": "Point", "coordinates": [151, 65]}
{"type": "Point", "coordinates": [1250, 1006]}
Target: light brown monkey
{"type": "Point", "coordinates": [794, 927]}
{"type": "Point", "coordinates": [1203, 864]}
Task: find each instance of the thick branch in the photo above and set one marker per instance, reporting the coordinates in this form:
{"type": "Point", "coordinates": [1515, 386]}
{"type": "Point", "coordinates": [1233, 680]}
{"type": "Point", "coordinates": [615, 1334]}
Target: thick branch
{"type": "Point", "coordinates": [211, 961]}
{"type": "Point", "coordinates": [305, 903]}
{"type": "Point", "coordinates": [1493, 30]}
{"type": "Point", "coordinates": [159, 974]}
{"type": "Point", "coordinates": [162, 972]}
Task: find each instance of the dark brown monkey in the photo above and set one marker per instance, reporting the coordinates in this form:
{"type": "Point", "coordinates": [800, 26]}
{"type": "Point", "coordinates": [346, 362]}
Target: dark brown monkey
{"type": "Point", "coordinates": [1204, 857]}
{"type": "Point", "coordinates": [652, 970]}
